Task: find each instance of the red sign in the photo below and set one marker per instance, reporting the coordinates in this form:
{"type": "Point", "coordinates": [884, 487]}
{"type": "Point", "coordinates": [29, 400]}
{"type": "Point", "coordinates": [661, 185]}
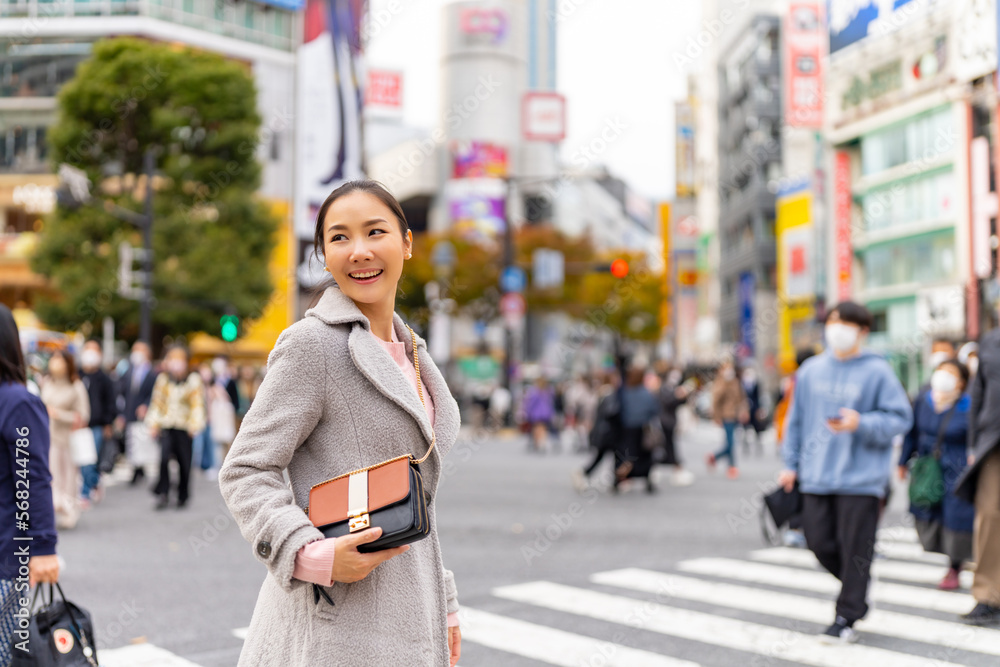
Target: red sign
{"type": "Point", "coordinates": [478, 159]}
{"type": "Point", "coordinates": [803, 41]}
{"type": "Point", "coordinates": [385, 89]}
{"type": "Point", "coordinates": [543, 117]}
{"type": "Point", "coordinates": [842, 224]}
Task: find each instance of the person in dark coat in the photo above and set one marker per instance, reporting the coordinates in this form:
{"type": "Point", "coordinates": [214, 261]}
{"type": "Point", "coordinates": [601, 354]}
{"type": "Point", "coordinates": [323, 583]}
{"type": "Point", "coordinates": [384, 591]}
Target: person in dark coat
{"type": "Point", "coordinates": [756, 423]}
{"type": "Point", "coordinates": [980, 483]}
{"type": "Point", "coordinates": [135, 390]}
{"type": "Point", "coordinates": [28, 531]}
{"type": "Point", "coordinates": [942, 413]}
{"type": "Point", "coordinates": [101, 390]}
{"type": "Point", "coordinates": [606, 431]}
{"type": "Point", "coordinates": [639, 407]}
{"type": "Point", "coordinates": [673, 394]}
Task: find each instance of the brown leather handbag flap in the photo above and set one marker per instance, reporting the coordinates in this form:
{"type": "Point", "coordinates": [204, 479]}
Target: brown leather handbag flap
{"type": "Point", "coordinates": [387, 484]}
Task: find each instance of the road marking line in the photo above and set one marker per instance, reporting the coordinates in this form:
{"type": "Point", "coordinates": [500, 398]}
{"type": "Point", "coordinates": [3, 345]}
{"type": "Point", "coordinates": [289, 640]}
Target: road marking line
{"type": "Point", "coordinates": [889, 623]}
{"type": "Point", "coordinates": [141, 655]}
{"type": "Point", "coordinates": [908, 551]}
{"type": "Point", "coordinates": [898, 534]}
{"type": "Point", "coordinates": [552, 646]}
{"type": "Point", "coordinates": [916, 573]}
{"type": "Point", "coordinates": [779, 643]}
{"type": "Point", "coordinates": [821, 582]}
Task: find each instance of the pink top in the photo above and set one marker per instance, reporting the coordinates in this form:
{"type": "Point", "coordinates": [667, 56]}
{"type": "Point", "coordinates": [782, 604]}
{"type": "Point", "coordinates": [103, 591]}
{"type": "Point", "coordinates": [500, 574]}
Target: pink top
{"type": "Point", "coordinates": [314, 562]}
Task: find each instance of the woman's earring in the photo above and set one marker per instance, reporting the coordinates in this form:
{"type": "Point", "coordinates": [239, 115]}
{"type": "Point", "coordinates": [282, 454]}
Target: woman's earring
{"type": "Point", "coordinates": [408, 255]}
{"type": "Point", "coordinates": [326, 269]}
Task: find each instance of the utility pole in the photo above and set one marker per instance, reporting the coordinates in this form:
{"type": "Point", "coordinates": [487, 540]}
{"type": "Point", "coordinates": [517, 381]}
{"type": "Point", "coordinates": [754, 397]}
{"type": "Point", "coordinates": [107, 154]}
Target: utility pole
{"type": "Point", "coordinates": [146, 311]}
{"type": "Point", "coordinates": [508, 261]}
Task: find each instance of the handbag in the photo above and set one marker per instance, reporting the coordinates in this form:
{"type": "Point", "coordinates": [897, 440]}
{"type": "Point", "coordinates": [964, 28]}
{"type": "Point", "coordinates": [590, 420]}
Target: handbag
{"type": "Point", "coordinates": [60, 634]}
{"type": "Point", "coordinates": [83, 447]}
{"type": "Point", "coordinates": [926, 475]}
{"type": "Point", "coordinates": [783, 505]}
{"type": "Point", "coordinates": [653, 437]}
{"type": "Point", "coordinates": [389, 495]}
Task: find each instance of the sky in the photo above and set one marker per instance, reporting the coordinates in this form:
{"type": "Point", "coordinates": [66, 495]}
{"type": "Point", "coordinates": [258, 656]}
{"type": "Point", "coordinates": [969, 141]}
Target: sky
{"type": "Point", "coordinates": [617, 64]}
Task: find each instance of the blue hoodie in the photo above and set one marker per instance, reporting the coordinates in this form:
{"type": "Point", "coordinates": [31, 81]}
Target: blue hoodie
{"type": "Point", "coordinates": [856, 463]}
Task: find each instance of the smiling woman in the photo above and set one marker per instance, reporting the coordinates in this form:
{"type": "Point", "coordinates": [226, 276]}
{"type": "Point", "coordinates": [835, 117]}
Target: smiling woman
{"type": "Point", "coordinates": [348, 389]}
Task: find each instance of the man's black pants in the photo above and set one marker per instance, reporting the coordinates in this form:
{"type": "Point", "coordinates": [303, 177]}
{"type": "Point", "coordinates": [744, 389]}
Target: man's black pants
{"type": "Point", "coordinates": [840, 530]}
{"type": "Point", "coordinates": [175, 444]}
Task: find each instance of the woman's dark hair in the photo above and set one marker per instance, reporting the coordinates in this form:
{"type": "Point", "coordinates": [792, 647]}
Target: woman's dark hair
{"type": "Point", "coordinates": [963, 370]}
{"type": "Point", "coordinates": [71, 375]}
{"type": "Point", "coordinates": [11, 357]}
{"type": "Point", "coordinates": [853, 313]}
{"type": "Point", "coordinates": [373, 188]}
{"type": "Point", "coordinates": [634, 376]}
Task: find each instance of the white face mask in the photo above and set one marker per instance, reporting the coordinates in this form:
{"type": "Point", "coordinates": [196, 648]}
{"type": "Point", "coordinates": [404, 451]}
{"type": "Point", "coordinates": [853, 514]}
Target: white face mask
{"type": "Point", "coordinates": [674, 378]}
{"type": "Point", "coordinates": [749, 377]}
{"type": "Point", "coordinates": [728, 374]}
{"type": "Point", "coordinates": [944, 382]}
{"type": "Point", "coordinates": [176, 367]}
{"type": "Point", "coordinates": [938, 358]}
{"type": "Point", "coordinates": [841, 337]}
{"type": "Point", "coordinates": [90, 359]}
{"type": "Point", "coordinates": [137, 358]}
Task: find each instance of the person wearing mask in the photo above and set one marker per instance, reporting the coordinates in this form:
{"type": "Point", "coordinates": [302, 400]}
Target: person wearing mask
{"type": "Point", "coordinates": [69, 409]}
{"type": "Point", "coordinates": [968, 354]}
{"type": "Point", "coordinates": [980, 484]}
{"type": "Point", "coordinates": [176, 413]}
{"type": "Point", "coordinates": [942, 349]}
{"type": "Point", "coordinates": [222, 403]}
{"type": "Point", "coordinates": [101, 391]}
{"type": "Point", "coordinates": [672, 395]}
{"type": "Point", "coordinates": [639, 407]}
{"type": "Point", "coordinates": [24, 437]}
{"type": "Point", "coordinates": [729, 409]}
{"type": "Point", "coordinates": [135, 390]}
{"type": "Point", "coordinates": [941, 429]}
{"type": "Point", "coordinates": [847, 408]}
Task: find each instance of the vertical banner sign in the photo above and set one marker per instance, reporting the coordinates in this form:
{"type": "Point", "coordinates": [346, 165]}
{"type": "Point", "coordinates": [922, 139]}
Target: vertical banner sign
{"type": "Point", "coordinates": [844, 251]}
{"type": "Point", "coordinates": [329, 96]}
{"type": "Point", "coordinates": [747, 289]}
{"type": "Point", "coordinates": [668, 269]}
{"type": "Point", "coordinates": [804, 46]}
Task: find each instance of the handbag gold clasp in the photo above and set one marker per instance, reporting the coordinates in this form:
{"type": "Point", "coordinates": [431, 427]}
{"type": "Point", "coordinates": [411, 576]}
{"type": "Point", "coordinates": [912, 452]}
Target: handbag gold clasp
{"type": "Point", "coordinates": [357, 501]}
{"type": "Point", "coordinates": [357, 523]}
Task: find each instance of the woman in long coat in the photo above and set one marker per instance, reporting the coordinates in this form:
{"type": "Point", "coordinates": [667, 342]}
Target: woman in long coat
{"type": "Point", "coordinates": [68, 405]}
{"type": "Point", "coordinates": [947, 527]}
{"type": "Point", "coordinates": [340, 394]}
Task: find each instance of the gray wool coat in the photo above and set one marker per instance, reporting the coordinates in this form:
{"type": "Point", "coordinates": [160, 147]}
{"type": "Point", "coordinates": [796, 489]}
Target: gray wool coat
{"type": "Point", "coordinates": [333, 401]}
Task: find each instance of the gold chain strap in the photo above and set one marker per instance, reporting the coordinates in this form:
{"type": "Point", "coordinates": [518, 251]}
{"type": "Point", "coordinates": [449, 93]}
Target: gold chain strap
{"type": "Point", "coordinates": [420, 393]}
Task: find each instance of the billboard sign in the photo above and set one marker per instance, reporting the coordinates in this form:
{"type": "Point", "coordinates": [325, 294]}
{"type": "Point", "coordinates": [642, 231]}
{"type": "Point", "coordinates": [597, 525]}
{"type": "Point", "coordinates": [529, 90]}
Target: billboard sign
{"type": "Point", "coordinates": [384, 90]}
{"type": "Point", "coordinates": [853, 20]}
{"type": "Point", "coordinates": [476, 208]}
{"type": "Point", "coordinates": [747, 289]}
{"type": "Point", "coordinates": [481, 25]}
{"type": "Point", "coordinates": [543, 117]}
{"type": "Point", "coordinates": [803, 40]}
{"type": "Point", "coordinates": [478, 159]}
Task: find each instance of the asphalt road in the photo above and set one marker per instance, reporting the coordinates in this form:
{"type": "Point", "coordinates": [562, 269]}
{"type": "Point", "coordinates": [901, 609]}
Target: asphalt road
{"type": "Point", "coordinates": [531, 557]}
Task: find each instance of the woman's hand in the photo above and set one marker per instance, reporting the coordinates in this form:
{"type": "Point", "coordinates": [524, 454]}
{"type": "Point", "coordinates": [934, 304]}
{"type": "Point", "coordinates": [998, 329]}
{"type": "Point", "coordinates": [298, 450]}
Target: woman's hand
{"type": "Point", "coordinates": [901, 471]}
{"type": "Point", "coordinates": [350, 565]}
{"type": "Point", "coordinates": [455, 644]}
{"type": "Point", "coordinates": [43, 570]}
{"type": "Point", "coordinates": [77, 421]}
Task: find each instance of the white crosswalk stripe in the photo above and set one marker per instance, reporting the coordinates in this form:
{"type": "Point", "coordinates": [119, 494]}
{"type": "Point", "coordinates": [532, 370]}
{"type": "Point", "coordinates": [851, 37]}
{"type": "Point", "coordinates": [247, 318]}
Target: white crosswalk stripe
{"type": "Point", "coordinates": [821, 582]}
{"type": "Point", "coordinates": [141, 655]}
{"type": "Point", "coordinates": [769, 606]}
{"type": "Point", "coordinates": [801, 608]}
{"type": "Point", "coordinates": [917, 573]}
{"type": "Point", "coordinates": [774, 642]}
{"type": "Point", "coordinates": [552, 646]}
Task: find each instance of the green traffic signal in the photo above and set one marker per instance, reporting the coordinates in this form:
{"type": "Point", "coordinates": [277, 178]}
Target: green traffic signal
{"type": "Point", "coordinates": [230, 327]}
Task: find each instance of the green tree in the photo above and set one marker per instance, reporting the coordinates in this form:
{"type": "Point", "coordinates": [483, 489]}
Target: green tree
{"type": "Point", "coordinates": [212, 236]}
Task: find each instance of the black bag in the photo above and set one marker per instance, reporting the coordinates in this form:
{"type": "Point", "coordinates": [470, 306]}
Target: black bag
{"type": "Point", "coordinates": [60, 634]}
{"type": "Point", "coordinates": [783, 505]}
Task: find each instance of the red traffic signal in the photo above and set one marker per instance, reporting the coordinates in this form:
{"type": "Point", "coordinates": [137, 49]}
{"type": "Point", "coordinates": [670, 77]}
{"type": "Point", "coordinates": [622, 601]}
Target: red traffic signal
{"type": "Point", "coordinates": [619, 268]}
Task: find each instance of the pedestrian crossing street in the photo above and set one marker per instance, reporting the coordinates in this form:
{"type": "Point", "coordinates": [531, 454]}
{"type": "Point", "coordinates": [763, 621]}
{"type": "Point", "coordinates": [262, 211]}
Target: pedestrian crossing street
{"type": "Point", "coordinates": [766, 609]}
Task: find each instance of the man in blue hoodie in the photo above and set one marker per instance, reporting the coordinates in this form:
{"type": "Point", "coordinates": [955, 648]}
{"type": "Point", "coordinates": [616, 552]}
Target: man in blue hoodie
{"type": "Point", "coordinates": [847, 407]}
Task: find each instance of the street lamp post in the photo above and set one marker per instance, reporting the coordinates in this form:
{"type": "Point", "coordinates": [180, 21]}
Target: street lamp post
{"type": "Point", "coordinates": [146, 307]}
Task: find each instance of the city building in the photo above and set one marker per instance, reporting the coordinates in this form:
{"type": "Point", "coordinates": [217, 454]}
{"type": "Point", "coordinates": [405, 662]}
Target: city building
{"type": "Point", "coordinates": [46, 41]}
{"type": "Point", "coordinates": [749, 158]}
{"type": "Point", "coordinates": [909, 122]}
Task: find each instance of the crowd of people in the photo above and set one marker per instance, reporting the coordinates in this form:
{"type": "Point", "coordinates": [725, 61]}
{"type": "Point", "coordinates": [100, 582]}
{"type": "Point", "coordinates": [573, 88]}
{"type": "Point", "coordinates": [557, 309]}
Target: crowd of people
{"type": "Point", "coordinates": [152, 416]}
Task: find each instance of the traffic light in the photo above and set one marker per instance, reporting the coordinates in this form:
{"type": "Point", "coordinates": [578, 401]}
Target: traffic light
{"type": "Point", "coordinates": [230, 327]}
{"type": "Point", "coordinates": [619, 268]}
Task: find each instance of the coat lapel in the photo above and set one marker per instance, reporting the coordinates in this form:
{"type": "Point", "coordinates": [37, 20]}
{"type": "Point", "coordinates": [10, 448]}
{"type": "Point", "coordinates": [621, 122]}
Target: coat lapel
{"type": "Point", "coordinates": [378, 368]}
